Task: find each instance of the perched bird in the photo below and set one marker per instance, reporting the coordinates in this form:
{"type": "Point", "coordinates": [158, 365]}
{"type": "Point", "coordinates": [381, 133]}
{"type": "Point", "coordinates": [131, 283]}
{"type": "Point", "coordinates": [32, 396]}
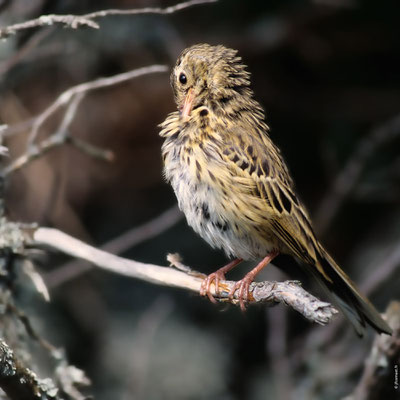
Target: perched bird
{"type": "Point", "coordinates": [233, 185]}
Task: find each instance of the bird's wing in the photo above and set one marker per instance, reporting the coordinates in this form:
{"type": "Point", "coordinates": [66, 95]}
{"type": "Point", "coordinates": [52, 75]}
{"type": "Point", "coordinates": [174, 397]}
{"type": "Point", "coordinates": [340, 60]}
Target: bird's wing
{"type": "Point", "coordinates": [257, 163]}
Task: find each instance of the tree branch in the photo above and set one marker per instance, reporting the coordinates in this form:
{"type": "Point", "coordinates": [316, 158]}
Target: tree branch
{"type": "Point", "coordinates": [118, 245]}
{"type": "Point", "coordinates": [290, 293]}
{"type": "Point", "coordinates": [19, 382]}
{"type": "Point", "coordinates": [380, 379]}
{"type": "Point", "coordinates": [76, 21]}
{"type": "Point", "coordinates": [67, 96]}
{"type": "Point", "coordinates": [349, 175]}
{"type": "Point", "coordinates": [72, 98]}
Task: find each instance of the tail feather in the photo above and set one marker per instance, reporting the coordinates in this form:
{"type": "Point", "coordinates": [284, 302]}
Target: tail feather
{"type": "Point", "coordinates": [344, 294]}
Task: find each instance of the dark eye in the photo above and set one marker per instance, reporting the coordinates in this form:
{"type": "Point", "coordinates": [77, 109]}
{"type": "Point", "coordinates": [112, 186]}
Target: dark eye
{"type": "Point", "coordinates": [182, 78]}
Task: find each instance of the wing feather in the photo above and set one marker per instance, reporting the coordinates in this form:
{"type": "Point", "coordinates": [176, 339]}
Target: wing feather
{"type": "Point", "coordinates": [266, 173]}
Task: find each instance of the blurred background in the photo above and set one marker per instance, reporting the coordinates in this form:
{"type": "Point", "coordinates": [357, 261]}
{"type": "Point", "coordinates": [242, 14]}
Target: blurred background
{"type": "Point", "coordinates": [327, 73]}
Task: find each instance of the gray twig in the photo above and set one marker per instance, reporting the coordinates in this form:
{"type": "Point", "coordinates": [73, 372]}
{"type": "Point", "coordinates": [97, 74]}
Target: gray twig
{"type": "Point", "coordinates": [67, 96]}
{"type": "Point", "coordinates": [72, 98]}
{"type": "Point", "coordinates": [76, 21]}
{"type": "Point", "coordinates": [380, 379]}
{"type": "Point", "coordinates": [349, 175]}
{"type": "Point", "coordinates": [118, 245]}
{"type": "Point", "coordinates": [24, 50]}
{"type": "Point", "coordinates": [290, 293]}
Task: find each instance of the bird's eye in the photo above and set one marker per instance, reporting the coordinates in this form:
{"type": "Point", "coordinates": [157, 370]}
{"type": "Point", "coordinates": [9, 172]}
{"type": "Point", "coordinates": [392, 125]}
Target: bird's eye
{"type": "Point", "coordinates": [182, 78]}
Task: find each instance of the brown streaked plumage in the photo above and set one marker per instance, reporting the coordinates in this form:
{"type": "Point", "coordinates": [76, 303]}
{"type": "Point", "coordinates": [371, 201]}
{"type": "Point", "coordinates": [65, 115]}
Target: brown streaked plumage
{"type": "Point", "coordinates": [233, 184]}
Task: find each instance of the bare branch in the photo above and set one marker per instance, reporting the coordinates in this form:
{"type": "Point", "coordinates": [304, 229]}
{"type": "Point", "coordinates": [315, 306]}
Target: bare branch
{"type": "Point", "coordinates": [118, 245]}
{"type": "Point", "coordinates": [148, 10]}
{"type": "Point", "coordinates": [71, 21]}
{"type": "Point", "coordinates": [289, 292]}
{"type": "Point", "coordinates": [26, 48]}
{"type": "Point", "coordinates": [76, 21]}
{"type": "Point", "coordinates": [383, 272]}
{"type": "Point", "coordinates": [60, 137]}
{"type": "Point", "coordinates": [90, 149]}
{"type": "Point", "coordinates": [348, 177]}
{"type": "Point", "coordinates": [19, 382]}
{"type": "Point", "coordinates": [380, 379]}
{"type": "Point", "coordinates": [29, 328]}
{"type": "Point", "coordinates": [65, 97]}
{"type": "Point", "coordinates": [72, 97]}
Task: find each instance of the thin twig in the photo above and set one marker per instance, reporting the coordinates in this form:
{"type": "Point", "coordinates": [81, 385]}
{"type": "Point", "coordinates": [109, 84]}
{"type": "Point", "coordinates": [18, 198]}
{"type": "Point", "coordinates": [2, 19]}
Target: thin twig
{"type": "Point", "coordinates": [118, 245]}
{"type": "Point", "coordinates": [65, 97]}
{"type": "Point", "coordinates": [72, 97]}
{"type": "Point", "coordinates": [371, 283]}
{"type": "Point", "coordinates": [22, 52]}
{"type": "Point", "coordinates": [380, 379]}
{"type": "Point", "coordinates": [289, 292]}
{"type": "Point", "coordinates": [148, 10]}
{"type": "Point", "coordinates": [71, 21]}
{"type": "Point", "coordinates": [76, 21]}
{"type": "Point", "coordinates": [90, 149]}
{"type": "Point", "coordinates": [277, 349]}
{"type": "Point", "coordinates": [60, 137]}
{"type": "Point", "coordinates": [349, 175]}
{"type": "Point", "coordinates": [30, 329]}
{"type": "Point", "coordinates": [382, 272]}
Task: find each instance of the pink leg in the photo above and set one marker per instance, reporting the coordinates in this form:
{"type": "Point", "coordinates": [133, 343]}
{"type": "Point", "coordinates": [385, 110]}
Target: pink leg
{"type": "Point", "coordinates": [216, 277]}
{"type": "Point", "coordinates": [244, 284]}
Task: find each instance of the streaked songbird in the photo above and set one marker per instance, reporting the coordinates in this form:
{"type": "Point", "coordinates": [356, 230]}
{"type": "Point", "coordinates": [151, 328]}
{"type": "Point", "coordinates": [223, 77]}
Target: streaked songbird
{"type": "Point", "coordinates": [233, 185]}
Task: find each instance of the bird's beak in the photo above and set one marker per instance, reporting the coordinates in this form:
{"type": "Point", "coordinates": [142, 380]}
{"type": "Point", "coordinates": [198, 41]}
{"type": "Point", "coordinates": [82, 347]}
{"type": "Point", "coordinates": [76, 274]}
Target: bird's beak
{"type": "Point", "coordinates": [188, 104]}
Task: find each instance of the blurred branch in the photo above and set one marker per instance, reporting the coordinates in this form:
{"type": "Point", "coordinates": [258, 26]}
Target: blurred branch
{"type": "Point", "coordinates": [382, 272]}
{"type": "Point", "coordinates": [72, 97]}
{"type": "Point", "coordinates": [76, 21]}
{"type": "Point", "coordinates": [289, 292]}
{"type": "Point", "coordinates": [372, 282]}
{"type": "Point", "coordinates": [71, 21]}
{"type": "Point", "coordinates": [278, 350]}
{"type": "Point", "coordinates": [148, 10]}
{"type": "Point", "coordinates": [118, 245]}
{"type": "Point", "coordinates": [67, 96]}
{"type": "Point", "coordinates": [380, 379]}
{"type": "Point", "coordinates": [348, 177]}
{"type": "Point", "coordinates": [16, 376]}
{"type": "Point", "coordinates": [60, 137]}
{"type": "Point", "coordinates": [19, 382]}
{"type": "Point", "coordinates": [22, 52]}
{"type": "Point", "coordinates": [23, 318]}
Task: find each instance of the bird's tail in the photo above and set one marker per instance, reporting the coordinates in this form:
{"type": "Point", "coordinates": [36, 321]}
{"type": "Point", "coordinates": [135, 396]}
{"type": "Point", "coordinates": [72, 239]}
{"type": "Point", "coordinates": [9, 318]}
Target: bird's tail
{"type": "Point", "coordinates": [343, 293]}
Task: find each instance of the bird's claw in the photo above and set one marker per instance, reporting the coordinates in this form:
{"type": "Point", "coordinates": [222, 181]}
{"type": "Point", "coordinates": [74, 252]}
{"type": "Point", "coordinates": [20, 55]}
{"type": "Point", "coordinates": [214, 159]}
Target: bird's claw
{"type": "Point", "coordinates": [205, 289]}
{"type": "Point", "coordinates": [243, 296]}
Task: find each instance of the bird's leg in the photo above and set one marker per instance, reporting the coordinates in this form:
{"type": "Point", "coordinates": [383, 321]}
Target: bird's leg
{"type": "Point", "coordinates": [216, 277]}
{"type": "Point", "coordinates": [244, 284]}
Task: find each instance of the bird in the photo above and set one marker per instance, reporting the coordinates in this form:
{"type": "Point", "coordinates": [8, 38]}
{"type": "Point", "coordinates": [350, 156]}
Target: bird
{"type": "Point", "coordinates": [233, 185]}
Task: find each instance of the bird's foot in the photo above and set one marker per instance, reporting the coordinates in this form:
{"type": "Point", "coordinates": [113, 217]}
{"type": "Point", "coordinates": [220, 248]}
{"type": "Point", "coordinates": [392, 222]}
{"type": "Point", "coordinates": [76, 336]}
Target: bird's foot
{"type": "Point", "coordinates": [216, 277]}
{"type": "Point", "coordinates": [205, 289]}
{"type": "Point", "coordinates": [243, 286]}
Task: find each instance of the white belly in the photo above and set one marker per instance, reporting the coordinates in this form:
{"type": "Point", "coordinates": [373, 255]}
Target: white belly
{"type": "Point", "coordinates": [202, 203]}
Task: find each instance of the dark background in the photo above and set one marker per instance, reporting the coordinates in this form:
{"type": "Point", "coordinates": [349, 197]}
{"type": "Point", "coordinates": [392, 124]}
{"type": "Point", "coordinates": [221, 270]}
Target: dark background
{"type": "Point", "coordinates": [327, 73]}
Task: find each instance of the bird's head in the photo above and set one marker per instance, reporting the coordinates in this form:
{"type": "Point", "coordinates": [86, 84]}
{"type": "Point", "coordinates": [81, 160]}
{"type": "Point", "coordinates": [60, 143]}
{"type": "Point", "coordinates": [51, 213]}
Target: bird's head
{"type": "Point", "coordinates": [204, 74]}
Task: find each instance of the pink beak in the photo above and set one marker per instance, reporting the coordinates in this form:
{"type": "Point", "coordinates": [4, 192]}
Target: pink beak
{"type": "Point", "coordinates": [188, 104]}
